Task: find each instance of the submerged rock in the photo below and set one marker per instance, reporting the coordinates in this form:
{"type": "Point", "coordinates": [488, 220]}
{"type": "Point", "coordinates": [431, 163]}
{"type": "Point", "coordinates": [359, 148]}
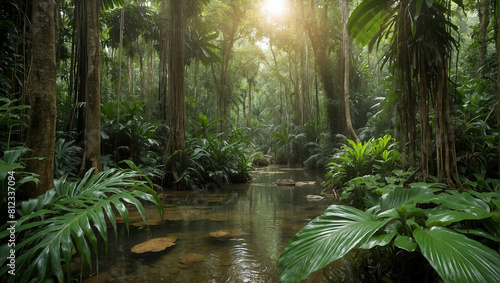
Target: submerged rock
{"type": "Point", "coordinates": [154, 245]}
{"type": "Point", "coordinates": [314, 197]}
{"type": "Point", "coordinates": [305, 183]}
{"type": "Point", "coordinates": [227, 234]}
{"type": "Point", "coordinates": [285, 182]}
{"type": "Point", "coordinates": [190, 258]}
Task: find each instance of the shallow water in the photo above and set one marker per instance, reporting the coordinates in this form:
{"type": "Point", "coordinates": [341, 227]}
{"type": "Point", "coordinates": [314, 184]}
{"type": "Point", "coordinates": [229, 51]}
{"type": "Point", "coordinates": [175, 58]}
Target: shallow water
{"type": "Point", "coordinates": [269, 215]}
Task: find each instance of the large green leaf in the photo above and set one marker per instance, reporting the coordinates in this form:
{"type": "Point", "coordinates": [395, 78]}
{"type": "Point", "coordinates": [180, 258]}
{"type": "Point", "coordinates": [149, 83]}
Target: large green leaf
{"type": "Point", "coordinates": [365, 21]}
{"type": "Point", "coordinates": [325, 239]}
{"type": "Point", "coordinates": [75, 209]}
{"type": "Point", "coordinates": [441, 216]}
{"type": "Point", "coordinates": [457, 258]}
{"type": "Point", "coordinates": [401, 196]}
{"type": "Point", "coordinates": [461, 201]}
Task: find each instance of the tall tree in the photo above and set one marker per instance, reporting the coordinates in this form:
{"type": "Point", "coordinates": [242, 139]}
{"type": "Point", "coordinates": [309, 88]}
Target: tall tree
{"type": "Point", "coordinates": [120, 51]}
{"type": "Point", "coordinates": [351, 134]}
{"type": "Point", "coordinates": [229, 18]}
{"type": "Point", "coordinates": [89, 79]}
{"type": "Point", "coordinates": [420, 49]}
{"type": "Point", "coordinates": [42, 97]}
{"type": "Point", "coordinates": [484, 22]}
{"type": "Point", "coordinates": [177, 108]}
{"type": "Point", "coordinates": [163, 54]}
{"type": "Point", "coordinates": [321, 34]}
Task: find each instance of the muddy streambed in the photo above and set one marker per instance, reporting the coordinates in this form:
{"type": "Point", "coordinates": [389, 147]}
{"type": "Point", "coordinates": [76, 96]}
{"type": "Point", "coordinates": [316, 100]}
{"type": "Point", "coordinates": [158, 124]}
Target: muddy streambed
{"type": "Point", "coordinates": [268, 215]}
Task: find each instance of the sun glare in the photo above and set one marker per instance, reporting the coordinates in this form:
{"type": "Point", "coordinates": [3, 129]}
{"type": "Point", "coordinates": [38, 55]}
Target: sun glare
{"type": "Point", "coordinates": [276, 7]}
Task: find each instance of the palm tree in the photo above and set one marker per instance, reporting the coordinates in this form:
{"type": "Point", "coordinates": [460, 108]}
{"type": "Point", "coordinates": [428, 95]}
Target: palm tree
{"type": "Point", "coordinates": [420, 48]}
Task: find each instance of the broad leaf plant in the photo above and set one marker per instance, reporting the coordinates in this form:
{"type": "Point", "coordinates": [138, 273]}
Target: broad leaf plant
{"type": "Point", "coordinates": [454, 231]}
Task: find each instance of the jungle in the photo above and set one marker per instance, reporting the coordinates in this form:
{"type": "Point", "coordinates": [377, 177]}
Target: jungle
{"type": "Point", "coordinates": [124, 120]}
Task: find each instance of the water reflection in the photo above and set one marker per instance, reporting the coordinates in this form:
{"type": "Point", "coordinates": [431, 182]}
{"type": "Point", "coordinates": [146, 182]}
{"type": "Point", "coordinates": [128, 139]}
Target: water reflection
{"type": "Point", "coordinates": [270, 216]}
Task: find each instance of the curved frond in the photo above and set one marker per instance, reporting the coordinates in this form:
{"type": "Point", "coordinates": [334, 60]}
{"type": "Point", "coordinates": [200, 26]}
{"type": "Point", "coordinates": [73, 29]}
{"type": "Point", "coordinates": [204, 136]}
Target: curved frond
{"type": "Point", "coordinates": [69, 214]}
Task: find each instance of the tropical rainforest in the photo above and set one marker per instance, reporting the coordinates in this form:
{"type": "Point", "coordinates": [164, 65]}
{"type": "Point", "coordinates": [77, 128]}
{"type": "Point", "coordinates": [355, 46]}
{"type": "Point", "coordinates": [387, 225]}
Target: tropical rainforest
{"type": "Point", "coordinates": [106, 102]}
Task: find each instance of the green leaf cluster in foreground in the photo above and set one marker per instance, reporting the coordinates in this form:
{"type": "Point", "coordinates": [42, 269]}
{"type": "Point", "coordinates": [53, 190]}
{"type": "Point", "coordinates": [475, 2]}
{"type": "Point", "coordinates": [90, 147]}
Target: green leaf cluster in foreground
{"type": "Point", "coordinates": [454, 232]}
{"type": "Point", "coordinates": [68, 218]}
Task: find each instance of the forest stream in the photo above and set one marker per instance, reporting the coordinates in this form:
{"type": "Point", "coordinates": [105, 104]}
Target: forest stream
{"type": "Point", "coordinates": [266, 215]}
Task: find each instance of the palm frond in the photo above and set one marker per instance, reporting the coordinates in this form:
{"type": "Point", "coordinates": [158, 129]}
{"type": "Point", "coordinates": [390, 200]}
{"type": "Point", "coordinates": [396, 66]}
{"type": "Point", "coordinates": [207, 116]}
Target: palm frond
{"type": "Point", "coordinates": [63, 219]}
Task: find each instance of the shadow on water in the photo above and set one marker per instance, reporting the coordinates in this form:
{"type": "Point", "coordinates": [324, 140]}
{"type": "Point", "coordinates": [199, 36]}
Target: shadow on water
{"type": "Point", "coordinates": [267, 215]}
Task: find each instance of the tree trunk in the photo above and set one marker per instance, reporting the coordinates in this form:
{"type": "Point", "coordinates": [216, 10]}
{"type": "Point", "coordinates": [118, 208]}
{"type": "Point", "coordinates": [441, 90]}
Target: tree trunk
{"type": "Point", "coordinates": [195, 87]}
{"type": "Point", "coordinates": [325, 68]}
{"type": "Point", "coordinates": [42, 98]}
{"type": "Point", "coordinates": [281, 81]}
{"type": "Point", "coordinates": [120, 51]}
{"type": "Point", "coordinates": [351, 134]}
{"type": "Point", "coordinates": [224, 97]}
{"type": "Point", "coordinates": [150, 80]}
{"type": "Point", "coordinates": [316, 95]}
{"type": "Point", "coordinates": [92, 137]}
{"type": "Point", "coordinates": [142, 75]}
{"type": "Point", "coordinates": [250, 82]}
{"type": "Point", "coordinates": [445, 149]}
{"type": "Point", "coordinates": [177, 117]}
{"type": "Point", "coordinates": [163, 54]}
{"type": "Point", "coordinates": [425, 139]}
{"type": "Point", "coordinates": [484, 22]}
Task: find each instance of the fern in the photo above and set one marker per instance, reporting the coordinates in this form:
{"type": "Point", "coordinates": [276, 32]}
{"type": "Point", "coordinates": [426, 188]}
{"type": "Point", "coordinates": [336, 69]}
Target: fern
{"type": "Point", "coordinates": [63, 219]}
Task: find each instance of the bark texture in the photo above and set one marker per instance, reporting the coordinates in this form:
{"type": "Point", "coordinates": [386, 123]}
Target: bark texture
{"type": "Point", "coordinates": [426, 159]}
{"type": "Point", "coordinates": [92, 135]}
{"type": "Point", "coordinates": [177, 115]}
{"type": "Point", "coordinates": [42, 98]}
{"type": "Point", "coordinates": [484, 22]}
{"type": "Point", "coordinates": [351, 133]}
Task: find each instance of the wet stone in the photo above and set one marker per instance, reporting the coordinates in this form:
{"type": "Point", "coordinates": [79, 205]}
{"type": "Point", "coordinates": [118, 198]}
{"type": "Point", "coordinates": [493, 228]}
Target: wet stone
{"type": "Point", "coordinates": [184, 266]}
{"type": "Point", "coordinates": [285, 182]}
{"type": "Point", "coordinates": [191, 257]}
{"type": "Point", "coordinates": [227, 234]}
{"type": "Point", "coordinates": [226, 262]}
{"type": "Point", "coordinates": [173, 270]}
{"type": "Point", "coordinates": [314, 197]}
{"type": "Point", "coordinates": [154, 245]}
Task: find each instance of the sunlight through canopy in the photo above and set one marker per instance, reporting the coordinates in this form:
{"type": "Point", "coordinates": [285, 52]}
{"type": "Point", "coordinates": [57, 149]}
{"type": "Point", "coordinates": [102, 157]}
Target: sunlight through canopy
{"type": "Point", "coordinates": [276, 8]}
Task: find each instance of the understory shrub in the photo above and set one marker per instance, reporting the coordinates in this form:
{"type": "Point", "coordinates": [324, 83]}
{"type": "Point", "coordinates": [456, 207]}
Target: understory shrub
{"type": "Point", "coordinates": [355, 160]}
{"type": "Point", "coordinates": [210, 159]}
{"type": "Point", "coordinates": [409, 231]}
{"type": "Point", "coordinates": [67, 157]}
{"type": "Point", "coordinates": [133, 138]}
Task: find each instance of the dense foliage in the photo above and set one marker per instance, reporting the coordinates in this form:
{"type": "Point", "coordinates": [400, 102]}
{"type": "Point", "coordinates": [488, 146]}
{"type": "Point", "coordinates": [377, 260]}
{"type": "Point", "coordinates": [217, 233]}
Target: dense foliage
{"type": "Point", "coordinates": [397, 220]}
{"type": "Point", "coordinates": [261, 83]}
